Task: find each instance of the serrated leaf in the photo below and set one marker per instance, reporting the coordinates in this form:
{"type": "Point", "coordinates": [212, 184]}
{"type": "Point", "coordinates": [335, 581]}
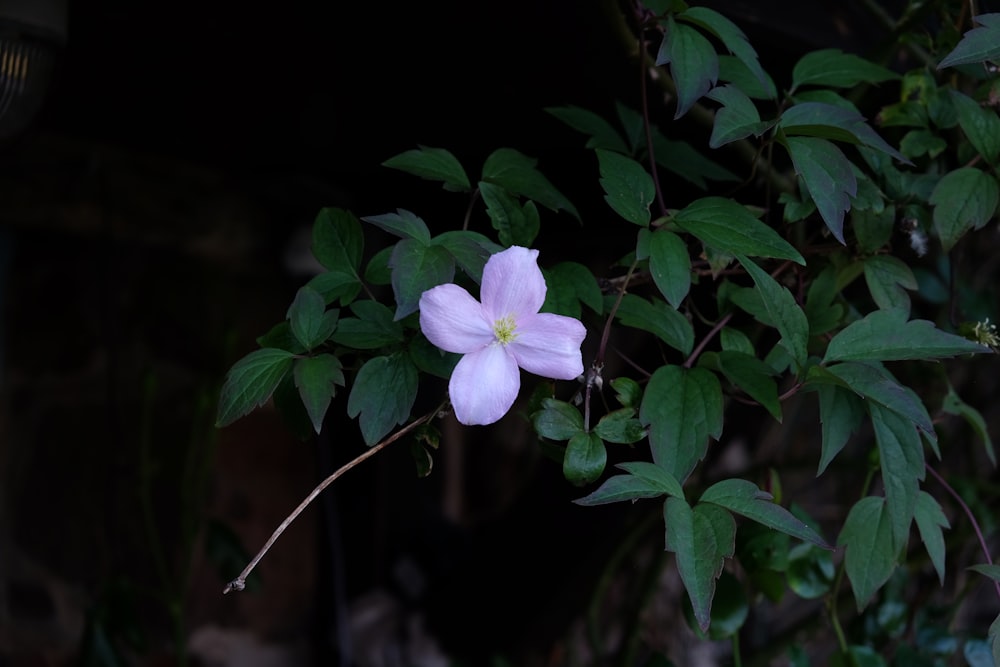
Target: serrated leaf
{"type": "Point", "coordinates": [571, 284]}
{"type": "Point", "coordinates": [281, 336]}
{"type": "Point", "coordinates": [471, 250]}
{"type": "Point", "coordinates": [746, 499]}
{"type": "Point", "coordinates": [980, 125]}
{"type": "Point", "coordinates": [733, 38]}
{"type": "Point", "coordinates": [337, 241]}
{"type": "Point", "coordinates": [627, 391]}
{"type": "Point", "coordinates": [657, 318]}
{"type": "Point", "coordinates": [963, 199]}
{"type": "Point", "coordinates": [738, 118]}
{"type": "Point", "coordinates": [977, 45]}
{"type": "Point", "coordinates": [694, 64]}
{"type": "Point", "coordinates": [888, 278]}
{"type": "Point", "coordinates": [681, 159]}
{"type": "Point", "coordinates": [828, 176]}
{"type": "Point", "coordinates": [433, 164]}
{"type": "Point", "coordinates": [628, 187]}
{"type": "Point", "coordinates": [752, 376]}
{"type": "Point", "coordinates": [383, 394]}
{"type": "Point", "coordinates": [840, 414]}
{"type": "Point", "coordinates": [377, 271]}
{"type": "Point", "coordinates": [871, 557]}
{"type": "Point", "coordinates": [655, 475]}
{"type": "Point", "coordinates": [417, 267]}
{"type": "Point", "coordinates": [885, 335]}
{"type": "Point", "coordinates": [729, 227]}
{"type": "Point", "coordinates": [316, 379]}
{"type": "Point", "coordinates": [902, 460]}
{"type": "Point", "coordinates": [702, 538]}
{"type": "Point", "coordinates": [731, 69]}
{"type": "Point", "coordinates": [786, 314]}
{"type": "Point", "coordinates": [620, 427]}
{"type": "Point", "coordinates": [819, 119]}
{"type": "Point", "coordinates": [930, 522]}
{"type": "Point", "coordinates": [683, 409]}
{"type": "Point", "coordinates": [516, 173]}
{"type": "Point", "coordinates": [250, 382]}
{"type": "Point", "coordinates": [308, 319]}
{"type": "Point", "coordinates": [374, 327]}
{"type": "Point", "coordinates": [515, 224]}
{"type": "Point", "coordinates": [585, 458]}
{"type": "Point", "coordinates": [333, 285]}
{"type": "Point", "coordinates": [670, 266]}
{"type": "Point", "coordinates": [557, 420]}
{"type": "Point", "coordinates": [954, 405]}
{"type": "Point", "coordinates": [836, 69]}
{"type": "Point", "coordinates": [600, 133]}
{"type": "Point", "coordinates": [620, 488]}
{"type": "Point", "coordinates": [404, 224]}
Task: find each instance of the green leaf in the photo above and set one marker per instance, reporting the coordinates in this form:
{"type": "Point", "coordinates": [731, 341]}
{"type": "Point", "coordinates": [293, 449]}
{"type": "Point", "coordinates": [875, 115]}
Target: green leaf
{"type": "Point", "coordinates": [987, 570]}
{"type": "Point", "coordinates": [670, 266]}
{"type": "Point", "coordinates": [317, 379]}
{"type": "Point", "coordinates": [902, 459]}
{"type": "Point", "coordinates": [515, 172]}
{"type": "Point", "coordinates": [963, 199]}
{"type": "Point", "coordinates": [738, 74]}
{"type": "Point", "coordinates": [823, 314]}
{"type": "Point", "coordinates": [701, 538]}
{"type": "Point", "coordinates": [557, 420]}
{"type": "Point", "coordinates": [930, 522]}
{"type": "Point", "coordinates": [309, 321]}
{"type": "Point", "coordinates": [280, 336]}
{"type": "Point", "coordinates": [734, 340]}
{"type": "Point", "coordinates": [683, 409]}
{"type": "Point", "coordinates": [657, 318]}
{"type": "Point", "coordinates": [428, 358]}
{"type": "Point", "coordinates": [402, 223]}
{"type": "Point", "coordinates": [600, 132]}
{"type": "Point", "coordinates": [515, 224]}
{"type": "Point", "coordinates": [383, 394]}
{"type": "Point", "coordinates": [738, 118]}
{"type": "Point", "coordinates": [635, 128]}
{"type": "Point", "coordinates": [819, 119]}
{"type": "Point", "coordinates": [620, 427]}
{"type": "Point", "coordinates": [977, 45]}
{"type": "Point", "coordinates": [433, 164]}
{"type": "Point", "coordinates": [840, 414]}
{"type": "Point", "coordinates": [377, 272]}
{"type": "Point", "coordinates": [836, 69]}
{"type": "Point", "coordinates": [786, 314]}
{"type": "Point", "coordinates": [571, 284]}
{"type": "Point", "coordinates": [681, 159]}
{"type": "Point", "coordinates": [922, 142]}
{"type": "Point", "coordinates": [250, 382]}
{"type": "Point", "coordinates": [810, 572]}
{"type": "Point", "coordinates": [887, 277]}
{"type": "Point", "coordinates": [752, 376]}
{"type": "Point", "coordinates": [694, 64]}
{"type": "Point", "coordinates": [627, 391]}
{"type": "Point", "coordinates": [655, 475]}
{"type": "Point", "coordinates": [954, 405]}
{"type": "Point", "coordinates": [471, 250]}
{"type": "Point", "coordinates": [746, 499]}
{"type": "Point", "coordinates": [885, 335]}
{"type": "Point", "coordinates": [585, 458]}
{"type": "Point", "coordinates": [829, 177]}
{"type": "Point", "coordinates": [374, 327]}
{"type": "Point", "coordinates": [620, 488]}
{"type": "Point", "coordinates": [733, 38]}
{"type": "Point", "coordinates": [333, 285]}
{"type": "Point", "coordinates": [417, 267]}
{"type": "Point", "coordinates": [729, 227]}
{"type": "Point", "coordinates": [871, 556]}
{"type": "Point", "coordinates": [980, 125]}
{"type": "Point", "coordinates": [994, 637]}
{"type": "Point", "coordinates": [337, 241]}
{"type": "Point", "coordinates": [628, 188]}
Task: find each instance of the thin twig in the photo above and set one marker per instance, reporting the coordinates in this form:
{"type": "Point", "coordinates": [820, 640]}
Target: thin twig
{"type": "Point", "coordinates": [239, 583]}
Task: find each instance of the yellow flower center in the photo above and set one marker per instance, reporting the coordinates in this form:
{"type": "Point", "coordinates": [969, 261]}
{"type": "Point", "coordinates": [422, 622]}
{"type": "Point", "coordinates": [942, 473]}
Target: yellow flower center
{"type": "Point", "coordinates": [503, 329]}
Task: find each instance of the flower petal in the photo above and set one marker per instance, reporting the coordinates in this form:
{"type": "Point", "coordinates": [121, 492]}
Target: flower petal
{"type": "Point", "coordinates": [484, 385]}
{"type": "Point", "coordinates": [453, 320]}
{"type": "Point", "coordinates": [549, 345]}
{"type": "Point", "coordinates": [512, 284]}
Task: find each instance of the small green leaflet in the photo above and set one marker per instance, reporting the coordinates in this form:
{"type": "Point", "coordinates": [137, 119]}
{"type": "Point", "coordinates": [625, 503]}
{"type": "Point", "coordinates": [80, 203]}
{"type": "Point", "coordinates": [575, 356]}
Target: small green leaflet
{"type": "Point", "coordinates": [635, 128]}
{"type": "Point", "coordinates": [729, 227]}
{"type": "Point", "coordinates": [657, 318]}
{"type": "Point", "coordinates": [383, 394]}
{"type": "Point", "coordinates": [887, 277]}
{"type": "Point", "coordinates": [829, 177]}
{"type": "Point", "coordinates": [680, 158]}
{"type": "Point", "coordinates": [333, 285]}
{"type": "Point", "coordinates": [786, 314]}
{"type": "Point", "coordinates": [683, 409]}
{"type": "Point", "coordinates": [836, 69]}
{"type": "Point", "coordinates": [980, 125]}
{"type": "Point", "coordinates": [746, 499]}
{"type": "Point", "coordinates": [840, 414]}
{"type": "Point", "coordinates": [655, 475]}
{"type": "Point", "coordinates": [337, 244]}
{"type": "Point", "coordinates": [627, 391]}
{"type": "Point", "coordinates": [250, 382]}
{"type": "Point", "coordinates": [749, 374]}
{"type": "Point", "coordinates": [930, 522]}
{"type": "Point", "coordinates": [694, 64]}
{"type": "Point", "coordinates": [954, 405]}
{"type": "Point", "coordinates": [885, 335]}
{"type": "Point", "coordinates": [963, 199]}
{"type": "Point", "coordinates": [316, 379]}
{"type": "Point", "coordinates": [404, 224]}
{"type": "Point", "coordinates": [702, 538]}
{"type": "Point", "coordinates": [417, 267]}
{"type": "Point", "coordinates": [600, 133]}
{"type": "Point", "coordinates": [557, 420]}
{"type": "Point", "coordinates": [620, 488]}
{"type": "Point", "coordinates": [977, 45]}
{"type": "Point", "coordinates": [902, 460]}
{"type": "Point", "coordinates": [310, 322]}
{"type": "Point", "coordinates": [584, 459]}
{"type": "Point", "coordinates": [871, 556]}
{"type": "Point", "coordinates": [516, 173]}
{"type": "Point", "coordinates": [433, 164]}
{"type": "Point", "coordinates": [670, 266]}
{"type": "Point", "coordinates": [738, 118]}
{"type": "Point", "coordinates": [620, 427]}
{"type": "Point", "coordinates": [734, 40]}
{"type": "Point", "coordinates": [471, 250]}
{"type": "Point", "coordinates": [515, 224]}
{"type": "Point", "coordinates": [374, 327]}
{"type": "Point", "coordinates": [819, 119]}
{"type": "Point", "coordinates": [732, 70]}
{"type": "Point", "coordinates": [987, 570]}
{"type": "Point", "coordinates": [571, 284]}
{"type": "Point", "coordinates": [628, 187]}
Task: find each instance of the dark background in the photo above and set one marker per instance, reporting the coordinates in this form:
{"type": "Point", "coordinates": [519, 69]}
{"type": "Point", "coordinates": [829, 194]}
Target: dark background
{"type": "Point", "coordinates": [151, 228]}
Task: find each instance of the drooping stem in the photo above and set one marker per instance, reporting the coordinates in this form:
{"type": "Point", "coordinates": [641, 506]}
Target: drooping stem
{"type": "Point", "coordinates": [239, 583]}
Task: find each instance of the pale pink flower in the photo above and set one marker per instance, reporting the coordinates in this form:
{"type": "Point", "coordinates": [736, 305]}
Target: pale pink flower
{"type": "Point", "coordinates": [499, 335]}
